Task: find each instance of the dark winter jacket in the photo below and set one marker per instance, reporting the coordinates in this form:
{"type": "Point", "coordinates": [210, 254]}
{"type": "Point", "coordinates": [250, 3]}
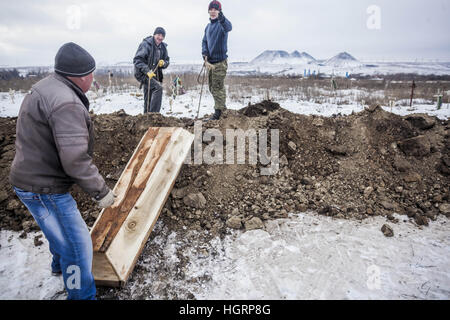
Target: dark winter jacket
{"type": "Point", "coordinates": [215, 40]}
{"type": "Point", "coordinates": [55, 140]}
{"type": "Point", "coordinates": [145, 58]}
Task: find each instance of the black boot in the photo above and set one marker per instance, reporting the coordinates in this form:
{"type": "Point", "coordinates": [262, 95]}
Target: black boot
{"type": "Point", "coordinates": [56, 273]}
{"type": "Point", "coordinates": [216, 115]}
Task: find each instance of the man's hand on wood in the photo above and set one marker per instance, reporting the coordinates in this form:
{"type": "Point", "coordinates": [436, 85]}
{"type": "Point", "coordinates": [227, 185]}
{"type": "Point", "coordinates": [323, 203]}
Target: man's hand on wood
{"type": "Point", "coordinates": [107, 201]}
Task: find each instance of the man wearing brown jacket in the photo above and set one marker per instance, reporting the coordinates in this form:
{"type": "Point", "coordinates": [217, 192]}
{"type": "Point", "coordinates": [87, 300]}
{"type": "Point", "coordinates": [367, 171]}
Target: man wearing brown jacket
{"type": "Point", "coordinates": [54, 147]}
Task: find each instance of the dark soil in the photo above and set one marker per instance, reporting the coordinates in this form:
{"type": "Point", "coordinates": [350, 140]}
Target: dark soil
{"type": "Point", "coordinates": [349, 167]}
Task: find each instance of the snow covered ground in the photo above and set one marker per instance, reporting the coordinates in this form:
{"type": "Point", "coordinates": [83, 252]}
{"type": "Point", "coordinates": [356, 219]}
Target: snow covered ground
{"type": "Point", "coordinates": [315, 257]}
{"type": "Point", "coordinates": [284, 67]}
{"type": "Point", "coordinates": [306, 256]}
{"type": "Point", "coordinates": [345, 103]}
{"type": "Point", "coordinates": [25, 270]}
{"type": "Point", "coordinates": [366, 68]}
{"type": "Point", "coordinates": [10, 104]}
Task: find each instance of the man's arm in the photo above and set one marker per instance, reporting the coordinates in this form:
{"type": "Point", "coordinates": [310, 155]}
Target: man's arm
{"type": "Point", "coordinates": [71, 136]}
{"type": "Point", "coordinates": [225, 23]}
{"type": "Point", "coordinates": [141, 59]}
{"type": "Point", "coordinates": [205, 51]}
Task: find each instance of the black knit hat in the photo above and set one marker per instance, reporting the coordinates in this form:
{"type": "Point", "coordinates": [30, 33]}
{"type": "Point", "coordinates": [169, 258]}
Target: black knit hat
{"type": "Point", "coordinates": [215, 5]}
{"type": "Point", "coordinates": [160, 30]}
{"type": "Point", "coordinates": [73, 61]}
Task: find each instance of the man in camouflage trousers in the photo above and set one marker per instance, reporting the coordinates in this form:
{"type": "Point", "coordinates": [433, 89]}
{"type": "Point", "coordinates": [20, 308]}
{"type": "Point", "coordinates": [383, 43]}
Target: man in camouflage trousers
{"type": "Point", "coordinates": [214, 51]}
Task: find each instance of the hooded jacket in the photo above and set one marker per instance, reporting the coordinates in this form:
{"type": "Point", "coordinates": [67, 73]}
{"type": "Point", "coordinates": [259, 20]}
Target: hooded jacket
{"type": "Point", "coordinates": [144, 58]}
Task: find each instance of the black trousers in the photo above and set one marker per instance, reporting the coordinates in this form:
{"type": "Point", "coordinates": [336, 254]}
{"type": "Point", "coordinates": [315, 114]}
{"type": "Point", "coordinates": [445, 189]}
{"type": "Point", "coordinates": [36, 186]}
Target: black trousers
{"type": "Point", "coordinates": [154, 95]}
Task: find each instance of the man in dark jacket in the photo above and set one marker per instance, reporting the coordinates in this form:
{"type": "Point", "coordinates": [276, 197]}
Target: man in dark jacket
{"type": "Point", "coordinates": [54, 147]}
{"type": "Point", "coordinates": [152, 54]}
{"type": "Point", "coordinates": [214, 51]}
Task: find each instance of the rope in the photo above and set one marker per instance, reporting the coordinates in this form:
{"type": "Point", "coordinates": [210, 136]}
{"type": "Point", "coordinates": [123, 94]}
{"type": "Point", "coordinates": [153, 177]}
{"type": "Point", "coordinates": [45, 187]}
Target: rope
{"type": "Point", "coordinates": [202, 83]}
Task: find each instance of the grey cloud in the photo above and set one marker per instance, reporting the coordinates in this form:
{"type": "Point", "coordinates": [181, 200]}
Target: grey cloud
{"type": "Point", "coordinates": [112, 30]}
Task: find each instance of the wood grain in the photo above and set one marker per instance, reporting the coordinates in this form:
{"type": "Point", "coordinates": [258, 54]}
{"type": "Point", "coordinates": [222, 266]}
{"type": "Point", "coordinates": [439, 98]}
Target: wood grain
{"type": "Point", "coordinates": [120, 232]}
{"type": "Point", "coordinates": [140, 222]}
{"type": "Point", "coordinates": [130, 186]}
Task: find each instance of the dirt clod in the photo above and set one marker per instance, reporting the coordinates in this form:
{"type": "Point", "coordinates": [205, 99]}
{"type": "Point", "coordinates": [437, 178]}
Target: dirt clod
{"type": "Point", "coordinates": [387, 231]}
{"type": "Point", "coordinates": [421, 121]}
{"type": "Point", "coordinates": [254, 224]}
{"type": "Point", "coordinates": [195, 200]}
{"type": "Point", "coordinates": [445, 209]}
{"type": "Point", "coordinates": [234, 222]}
{"type": "Point", "coordinates": [37, 241]}
{"type": "Point", "coordinates": [417, 146]}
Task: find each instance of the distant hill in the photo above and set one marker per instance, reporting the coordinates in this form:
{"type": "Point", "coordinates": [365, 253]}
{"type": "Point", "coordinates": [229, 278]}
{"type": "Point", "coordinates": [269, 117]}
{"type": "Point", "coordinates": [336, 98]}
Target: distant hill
{"type": "Point", "coordinates": [343, 60]}
{"type": "Point", "coordinates": [303, 55]}
{"type": "Point", "coordinates": [283, 57]}
{"type": "Point", "coordinates": [280, 57]}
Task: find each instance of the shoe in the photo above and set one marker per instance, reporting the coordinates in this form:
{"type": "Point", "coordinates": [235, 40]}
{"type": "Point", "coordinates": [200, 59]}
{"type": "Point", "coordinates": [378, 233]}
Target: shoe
{"type": "Point", "coordinates": [216, 115]}
{"type": "Point", "coordinates": [56, 273]}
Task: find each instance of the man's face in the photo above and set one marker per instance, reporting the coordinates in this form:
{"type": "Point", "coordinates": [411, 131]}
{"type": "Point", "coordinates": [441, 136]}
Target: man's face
{"type": "Point", "coordinates": [84, 83]}
{"type": "Point", "coordinates": [87, 82]}
{"type": "Point", "coordinates": [213, 13]}
{"type": "Point", "coordinates": [158, 39]}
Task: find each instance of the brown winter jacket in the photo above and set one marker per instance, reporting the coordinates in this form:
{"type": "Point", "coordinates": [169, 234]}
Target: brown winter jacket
{"type": "Point", "coordinates": [55, 140]}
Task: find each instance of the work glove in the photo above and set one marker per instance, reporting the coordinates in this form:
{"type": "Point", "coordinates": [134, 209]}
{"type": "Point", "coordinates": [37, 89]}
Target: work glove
{"type": "Point", "coordinates": [151, 75]}
{"type": "Point", "coordinates": [107, 201]}
{"type": "Point", "coordinates": [161, 63]}
{"type": "Point", "coordinates": [221, 16]}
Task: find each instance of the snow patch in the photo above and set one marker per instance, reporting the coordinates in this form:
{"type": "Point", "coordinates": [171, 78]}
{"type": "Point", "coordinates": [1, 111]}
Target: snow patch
{"type": "Point", "coordinates": [306, 256]}
{"type": "Point", "coordinates": [345, 102]}
{"type": "Point", "coordinates": [25, 271]}
{"type": "Point", "coordinates": [314, 257]}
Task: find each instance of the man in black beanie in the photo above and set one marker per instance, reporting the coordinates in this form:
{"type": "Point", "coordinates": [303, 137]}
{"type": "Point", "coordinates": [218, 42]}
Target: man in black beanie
{"type": "Point", "coordinates": [214, 51]}
{"type": "Point", "coordinates": [152, 55]}
{"type": "Point", "coordinates": [54, 148]}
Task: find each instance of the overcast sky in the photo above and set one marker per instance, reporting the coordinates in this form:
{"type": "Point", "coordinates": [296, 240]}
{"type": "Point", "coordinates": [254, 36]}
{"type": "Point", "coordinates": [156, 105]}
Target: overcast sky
{"type": "Point", "coordinates": [32, 31]}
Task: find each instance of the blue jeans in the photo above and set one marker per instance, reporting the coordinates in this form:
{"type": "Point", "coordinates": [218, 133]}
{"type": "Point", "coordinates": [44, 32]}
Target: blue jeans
{"type": "Point", "coordinates": [70, 242]}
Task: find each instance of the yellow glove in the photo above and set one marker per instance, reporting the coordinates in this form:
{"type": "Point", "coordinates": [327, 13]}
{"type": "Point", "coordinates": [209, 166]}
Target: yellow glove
{"type": "Point", "coordinates": [161, 63]}
{"type": "Point", "coordinates": [151, 75]}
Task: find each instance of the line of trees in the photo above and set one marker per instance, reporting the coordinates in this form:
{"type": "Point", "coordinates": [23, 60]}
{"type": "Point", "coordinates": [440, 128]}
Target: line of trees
{"type": "Point", "coordinates": [9, 74]}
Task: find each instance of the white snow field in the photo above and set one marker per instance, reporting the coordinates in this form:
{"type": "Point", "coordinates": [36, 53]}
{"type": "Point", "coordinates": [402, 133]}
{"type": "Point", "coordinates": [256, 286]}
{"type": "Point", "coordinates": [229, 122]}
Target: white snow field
{"type": "Point", "coordinates": [186, 105]}
{"type": "Point", "coordinates": [334, 66]}
{"type": "Point", "coordinates": [305, 256]}
{"type": "Point", "coordinates": [296, 63]}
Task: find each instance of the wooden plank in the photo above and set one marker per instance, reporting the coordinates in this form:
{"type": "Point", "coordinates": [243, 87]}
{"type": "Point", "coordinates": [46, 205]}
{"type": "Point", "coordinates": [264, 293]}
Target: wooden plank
{"type": "Point", "coordinates": [130, 186]}
{"type": "Point", "coordinates": [130, 240]}
{"type": "Point", "coordinates": [122, 177]}
{"type": "Point", "coordinates": [103, 271]}
{"type": "Point", "coordinates": [120, 232]}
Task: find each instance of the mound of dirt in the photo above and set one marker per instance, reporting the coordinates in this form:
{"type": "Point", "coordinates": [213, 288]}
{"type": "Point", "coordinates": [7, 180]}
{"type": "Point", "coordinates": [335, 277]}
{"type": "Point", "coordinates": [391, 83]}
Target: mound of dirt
{"type": "Point", "coordinates": [259, 109]}
{"type": "Point", "coordinates": [349, 167]}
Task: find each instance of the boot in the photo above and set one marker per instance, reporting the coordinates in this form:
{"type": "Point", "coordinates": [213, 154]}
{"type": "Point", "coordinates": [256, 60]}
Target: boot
{"type": "Point", "coordinates": [216, 115]}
